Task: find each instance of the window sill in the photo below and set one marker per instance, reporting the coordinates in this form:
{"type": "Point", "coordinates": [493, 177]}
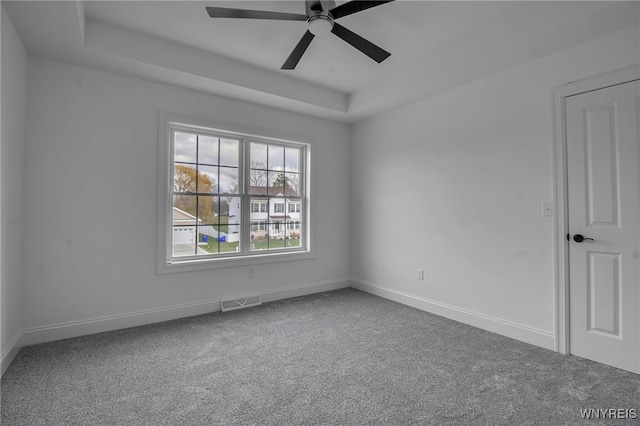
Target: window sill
{"type": "Point", "coordinates": [231, 262]}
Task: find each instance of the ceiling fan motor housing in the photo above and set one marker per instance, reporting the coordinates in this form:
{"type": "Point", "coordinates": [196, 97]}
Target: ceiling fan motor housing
{"type": "Point", "coordinates": [320, 25]}
{"type": "Point", "coordinates": [320, 21]}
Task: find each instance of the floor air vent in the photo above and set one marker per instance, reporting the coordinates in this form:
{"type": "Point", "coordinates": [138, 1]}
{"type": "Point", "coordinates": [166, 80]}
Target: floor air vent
{"type": "Point", "coordinates": [240, 303]}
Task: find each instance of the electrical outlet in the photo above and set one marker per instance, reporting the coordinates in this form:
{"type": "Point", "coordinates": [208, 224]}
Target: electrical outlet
{"type": "Point", "coordinates": [420, 274]}
{"type": "Point", "coordinates": [252, 272]}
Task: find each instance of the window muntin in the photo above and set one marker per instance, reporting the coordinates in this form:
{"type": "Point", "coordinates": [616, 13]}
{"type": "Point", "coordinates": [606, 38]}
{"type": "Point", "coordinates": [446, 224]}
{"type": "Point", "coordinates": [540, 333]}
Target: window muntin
{"type": "Point", "coordinates": [234, 195]}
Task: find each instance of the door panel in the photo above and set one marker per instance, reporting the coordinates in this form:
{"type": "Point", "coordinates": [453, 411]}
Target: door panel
{"type": "Point", "coordinates": [603, 293]}
{"type": "Point", "coordinates": [602, 163]}
{"type": "Point", "coordinates": [604, 204]}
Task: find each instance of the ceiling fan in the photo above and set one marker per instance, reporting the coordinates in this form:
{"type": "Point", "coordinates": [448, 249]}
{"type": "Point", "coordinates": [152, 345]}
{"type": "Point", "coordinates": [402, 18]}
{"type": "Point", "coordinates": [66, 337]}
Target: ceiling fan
{"type": "Point", "coordinates": [320, 18]}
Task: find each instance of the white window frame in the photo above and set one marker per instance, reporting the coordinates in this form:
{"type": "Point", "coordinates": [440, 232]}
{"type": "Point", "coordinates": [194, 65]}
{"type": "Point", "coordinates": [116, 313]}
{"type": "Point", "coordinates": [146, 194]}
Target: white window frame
{"type": "Point", "coordinates": [165, 262]}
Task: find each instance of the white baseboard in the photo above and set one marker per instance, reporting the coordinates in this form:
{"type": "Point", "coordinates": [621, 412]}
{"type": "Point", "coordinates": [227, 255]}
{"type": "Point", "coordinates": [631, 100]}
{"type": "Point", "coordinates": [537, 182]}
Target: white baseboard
{"type": "Point", "coordinates": [305, 289]}
{"type": "Point", "coordinates": [35, 335]}
{"type": "Point", "coordinates": [510, 329]}
{"type": "Point", "coordinates": [10, 353]}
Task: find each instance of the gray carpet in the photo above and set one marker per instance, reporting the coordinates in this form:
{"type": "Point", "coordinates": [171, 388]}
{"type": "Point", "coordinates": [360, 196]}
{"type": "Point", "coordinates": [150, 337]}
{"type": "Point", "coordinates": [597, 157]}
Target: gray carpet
{"type": "Point", "coordinates": [337, 358]}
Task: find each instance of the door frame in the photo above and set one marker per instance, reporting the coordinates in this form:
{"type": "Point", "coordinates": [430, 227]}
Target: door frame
{"type": "Point", "coordinates": [560, 190]}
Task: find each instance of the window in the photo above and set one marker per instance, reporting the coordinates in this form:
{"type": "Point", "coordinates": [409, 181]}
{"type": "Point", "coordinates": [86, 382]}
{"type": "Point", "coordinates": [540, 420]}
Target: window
{"type": "Point", "coordinates": [294, 207]}
{"type": "Point", "coordinates": [258, 207]}
{"type": "Point", "coordinates": [236, 193]}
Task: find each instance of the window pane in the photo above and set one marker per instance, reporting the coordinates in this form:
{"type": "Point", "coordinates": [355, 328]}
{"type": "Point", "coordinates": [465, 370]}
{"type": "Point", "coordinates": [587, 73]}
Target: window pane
{"type": "Point", "coordinates": [229, 240]}
{"type": "Point", "coordinates": [277, 183]}
{"type": "Point", "coordinates": [184, 210]}
{"type": "Point", "coordinates": [277, 233]}
{"type": "Point", "coordinates": [207, 150]}
{"type": "Point", "coordinates": [292, 159]}
{"type": "Point", "coordinates": [259, 240]}
{"type": "Point", "coordinates": [183, 241]}
{"type": "Point", "coordinates": [184, 178]}
{"type": "Point", "coordinates": [293, 233]}
{"type": "Point", "coordinates": [208, 179]}
{"type": "Point", "coordinates": [230, 208]}
{"type": "Point", "coordinates": [218, 239]}
{"type": "Point", "coordinates": [292, 183]}
{"type": "Point", "coordinates": [184, 147]}
{"type": "Point", "coordinates": [276, 158]}
{"type": "Point", "coordinates": [265, 238]}
{"type": "Point", "coordinates": [218, 224]}
{"type": "Point", "coordinates": [207, 239]}
{"type": "Point", "coordinates": [208, 210]}
{"type": "Point", "coordinates": [258, 155]}
{"type": "Point", "coordinates": [183, 225]}
{"type": "Point", "coordinates": [229, 180]}
{"type": "Point", "coordinates": [229, 152]}
{"type": "Point", "coordinates": [257, 182]}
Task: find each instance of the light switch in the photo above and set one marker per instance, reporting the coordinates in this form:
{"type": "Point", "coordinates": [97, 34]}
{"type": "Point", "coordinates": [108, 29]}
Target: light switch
{"type": "Point", "coordinates": [547, 208]}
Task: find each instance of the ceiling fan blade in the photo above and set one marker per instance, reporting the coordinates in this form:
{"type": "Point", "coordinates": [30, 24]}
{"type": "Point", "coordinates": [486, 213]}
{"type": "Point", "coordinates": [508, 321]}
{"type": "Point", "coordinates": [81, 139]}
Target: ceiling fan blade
{"type": "Point", "coordinates": [298, 51]}
{"type": "Point", "coordinates": [223, 12]}
{"type": "Point", "coordinates": [365, 46]}
{"type": "Point", "coordinates": [355, 6]}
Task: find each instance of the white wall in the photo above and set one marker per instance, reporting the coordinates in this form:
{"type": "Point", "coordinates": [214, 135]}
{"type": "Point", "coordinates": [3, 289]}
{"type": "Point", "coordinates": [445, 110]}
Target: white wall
{"type": "Point", "coordinates": [468, 170]}
{"type": "Point", "coordinates": [14, 94]}
{"type": "Point", "coordinates": [91, 202]}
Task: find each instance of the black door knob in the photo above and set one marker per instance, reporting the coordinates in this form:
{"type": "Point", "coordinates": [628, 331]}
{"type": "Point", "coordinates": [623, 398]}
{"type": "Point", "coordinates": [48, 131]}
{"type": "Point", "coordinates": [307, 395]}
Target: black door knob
{"type": "Point", "coordinates": [578, 238]}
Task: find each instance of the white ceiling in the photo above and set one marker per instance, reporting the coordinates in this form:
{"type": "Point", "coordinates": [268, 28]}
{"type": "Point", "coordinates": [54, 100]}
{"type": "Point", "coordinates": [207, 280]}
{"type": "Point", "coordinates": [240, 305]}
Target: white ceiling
{"type": "Point", "coordinates": [434, 46]}
{"type": "Point", "coordinates": [408, 29]}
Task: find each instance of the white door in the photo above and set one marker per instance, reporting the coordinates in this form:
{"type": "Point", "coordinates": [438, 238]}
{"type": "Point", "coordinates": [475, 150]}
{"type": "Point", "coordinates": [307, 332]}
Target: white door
{"type": "Point", "coordinates": [604, 208]}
